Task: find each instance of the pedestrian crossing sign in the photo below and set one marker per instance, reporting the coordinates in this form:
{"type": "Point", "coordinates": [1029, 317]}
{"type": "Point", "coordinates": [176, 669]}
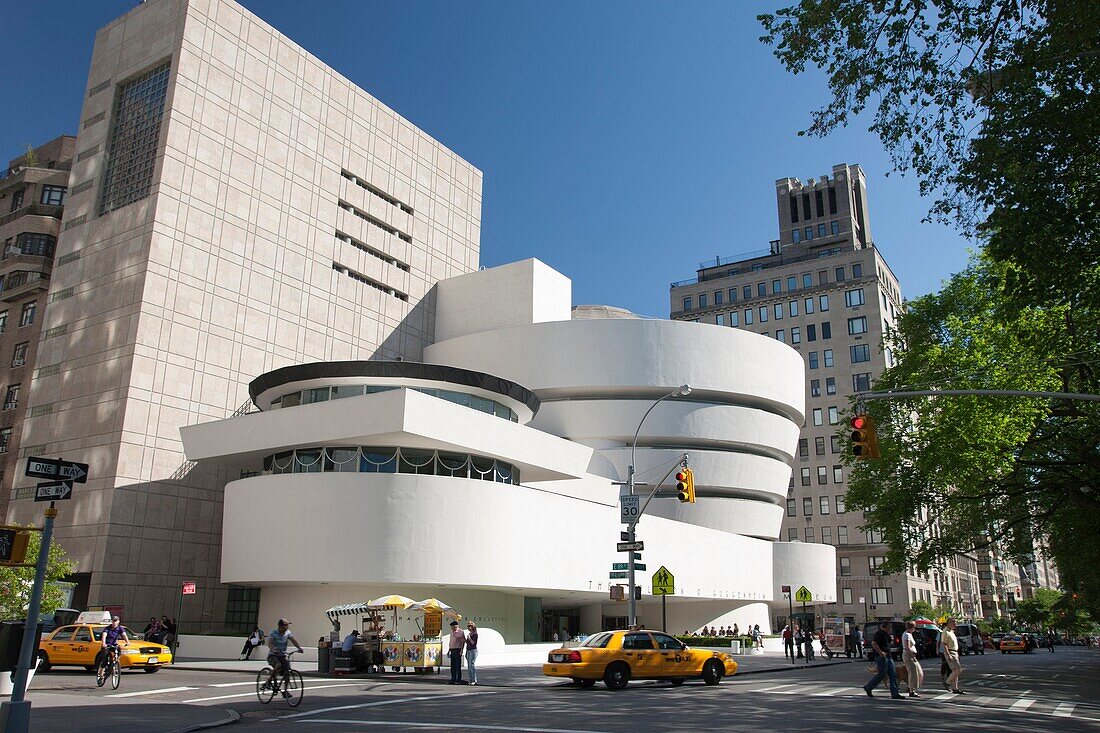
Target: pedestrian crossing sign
{"type": "Point", "coordinates": [664, 583]}
{"type": "Point", "coordinates": [803, 595]}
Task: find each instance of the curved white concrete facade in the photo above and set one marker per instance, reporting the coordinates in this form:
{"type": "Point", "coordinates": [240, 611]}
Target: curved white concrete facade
{"type": "Point", "coordinates": [499, 548]}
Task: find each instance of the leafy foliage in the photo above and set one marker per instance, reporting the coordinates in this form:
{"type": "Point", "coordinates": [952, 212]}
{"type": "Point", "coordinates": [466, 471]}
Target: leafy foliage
{"type": "Point", "coordinates": [16, 583]}
{"type": "Point", "coordinates": [1039, 611]}
{"type": "Point", "coordinates": [923, 609]}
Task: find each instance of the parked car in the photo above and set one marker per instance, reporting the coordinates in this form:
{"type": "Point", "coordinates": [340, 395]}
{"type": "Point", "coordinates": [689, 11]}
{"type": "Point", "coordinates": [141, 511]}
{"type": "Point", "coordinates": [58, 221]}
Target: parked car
{"type": "Point", "coordinates": [970, 639]}
{"type": "Point", "coordinates": [896, 629]}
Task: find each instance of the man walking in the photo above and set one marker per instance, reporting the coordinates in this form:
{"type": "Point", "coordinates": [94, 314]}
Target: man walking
{"type": "Point", "coordinates": [911, 657]}
{"type": "Point", "coordinates": [454, 651]}
{"type": "Point", "coordinates": [788, 642]}
{"type": "Point", "coordinates": [951, 655]}
{"type": "Point", "coordinates": [880, 644]}
{"type": "Point", "coordinates": [857, 642]}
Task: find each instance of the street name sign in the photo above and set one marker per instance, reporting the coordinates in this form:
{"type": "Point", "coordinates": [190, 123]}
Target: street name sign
{"type": "Point", "coordinates": [55, 469]}
{"type": "Point", "coordinates": [803, 595]}
{"type": "Point", "coordinates": [54, 491]}
{"type": "Point", "coordinates": [616, 576]}
{"type": "Point", "coordinates": [629, 546]}
{"type": "Point", "coordinates": [630, 507]}
{"type": "Point", "coordinates": [664, 582]}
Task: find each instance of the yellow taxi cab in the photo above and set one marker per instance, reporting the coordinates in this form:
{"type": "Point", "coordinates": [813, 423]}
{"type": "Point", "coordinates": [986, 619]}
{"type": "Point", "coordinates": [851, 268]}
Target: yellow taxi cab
{"type": "Point", "coordinates": [1013, 643]}
{"type": "Point", "coordinates": [616, 657]}
{"type": "Point", "coordinates": [80, 645]}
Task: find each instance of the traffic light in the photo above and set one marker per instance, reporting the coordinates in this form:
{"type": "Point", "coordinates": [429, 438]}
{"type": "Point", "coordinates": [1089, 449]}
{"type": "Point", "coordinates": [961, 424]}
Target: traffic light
{"type": "Point", "coordinates": [685, 486]}
{"type": "Point", "coordinates": [13, 546]}
{"type": "Point", "coordinates": [864, 440]}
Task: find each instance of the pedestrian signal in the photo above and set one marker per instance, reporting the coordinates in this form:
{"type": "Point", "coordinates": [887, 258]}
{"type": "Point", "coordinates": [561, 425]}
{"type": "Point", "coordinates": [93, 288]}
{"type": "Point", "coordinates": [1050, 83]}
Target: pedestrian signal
{"type": "Point", "coordinates": [864, 440]}
{"type": "Point", "coordinates": [685, 486]}
{"type": "Point", "coordinates": [13, 546]}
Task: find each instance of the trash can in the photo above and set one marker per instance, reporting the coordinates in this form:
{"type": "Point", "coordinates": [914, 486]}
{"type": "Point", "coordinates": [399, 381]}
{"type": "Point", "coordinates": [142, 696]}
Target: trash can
{"type": "Point", "coordinates": [735, 646]}
{"type": "Point", "coordinates": [324, 656]}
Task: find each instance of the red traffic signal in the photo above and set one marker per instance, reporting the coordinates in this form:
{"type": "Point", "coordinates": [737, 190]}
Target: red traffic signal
{"type": "Point", "coordinates": [864, 439]}
{"type": "Point", "coordinates": [685, 486]}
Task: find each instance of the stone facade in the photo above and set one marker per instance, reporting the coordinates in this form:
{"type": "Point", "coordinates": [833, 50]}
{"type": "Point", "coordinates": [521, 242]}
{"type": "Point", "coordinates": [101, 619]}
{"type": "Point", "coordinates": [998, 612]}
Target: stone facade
{"type": "Point", "coordinates": [235, 206]}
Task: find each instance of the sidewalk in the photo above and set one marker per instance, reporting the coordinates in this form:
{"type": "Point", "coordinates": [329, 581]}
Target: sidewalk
{"type": "Point", "coordinates": [53, 712]}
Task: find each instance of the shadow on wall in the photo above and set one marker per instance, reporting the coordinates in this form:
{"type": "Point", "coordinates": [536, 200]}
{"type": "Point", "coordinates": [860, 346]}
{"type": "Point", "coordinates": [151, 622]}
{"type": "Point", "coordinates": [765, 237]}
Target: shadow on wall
{"type": "Point", "coordinates": [415, 331]}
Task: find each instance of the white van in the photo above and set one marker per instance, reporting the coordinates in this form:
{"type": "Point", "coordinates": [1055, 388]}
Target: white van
{"type": "Point", "coordinates": [970, 639]}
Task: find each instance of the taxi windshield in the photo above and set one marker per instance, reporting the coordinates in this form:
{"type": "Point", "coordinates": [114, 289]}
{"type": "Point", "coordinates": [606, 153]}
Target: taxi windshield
{"type": "Point", "coordinates": [598, 641]}
{"type": "Point", "coordinates": [97, 632]}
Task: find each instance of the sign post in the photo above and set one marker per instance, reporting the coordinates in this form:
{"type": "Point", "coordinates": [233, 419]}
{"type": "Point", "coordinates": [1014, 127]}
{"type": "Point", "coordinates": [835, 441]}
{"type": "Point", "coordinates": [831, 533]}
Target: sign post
{"type": "Point", "coordinates": [187, 590]}
{"type": "Point", "coordinates": [790, 618]}
{"type": "Point", "coordinates": [664, 584]}
{"type": "Point", "coordinates": [804, 596]}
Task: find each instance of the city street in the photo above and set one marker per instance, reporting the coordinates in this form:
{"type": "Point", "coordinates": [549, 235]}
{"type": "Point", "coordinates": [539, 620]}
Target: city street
{"type": "Point", "coordinates": [1041, 691]}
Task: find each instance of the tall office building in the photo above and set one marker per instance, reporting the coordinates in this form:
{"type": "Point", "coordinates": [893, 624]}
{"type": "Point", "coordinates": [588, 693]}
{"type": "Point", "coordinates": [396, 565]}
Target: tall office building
{"type": "Point", "coordinates": [235, 206]}
{"type": "Point", "coordinates": [32, 197]}
{"type": "Point", "coordinates": [824, 289]}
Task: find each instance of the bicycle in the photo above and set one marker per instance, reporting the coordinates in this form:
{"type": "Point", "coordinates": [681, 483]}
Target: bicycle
{"type": "Point", "coordinates": [109, 667]}
{"type": "Point", "coordinates": [290, 684]}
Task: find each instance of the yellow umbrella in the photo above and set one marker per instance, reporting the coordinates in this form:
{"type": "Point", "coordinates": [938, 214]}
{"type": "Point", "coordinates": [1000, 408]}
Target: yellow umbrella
{"type": "Point", "coordinates": [436, 605]}
{"type": "Point", "coordinates": [392, 600]}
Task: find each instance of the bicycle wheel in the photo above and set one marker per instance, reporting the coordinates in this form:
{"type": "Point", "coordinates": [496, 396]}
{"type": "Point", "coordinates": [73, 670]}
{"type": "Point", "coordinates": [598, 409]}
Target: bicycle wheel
{"type": "Point", "coordinates": [294, 688]}
{"type": "Point", "coordinates": [264, 689]}
{"type": "Point", "coordinates": [116, 674]}
{"type": "Point", "coordinates": [101, 672]}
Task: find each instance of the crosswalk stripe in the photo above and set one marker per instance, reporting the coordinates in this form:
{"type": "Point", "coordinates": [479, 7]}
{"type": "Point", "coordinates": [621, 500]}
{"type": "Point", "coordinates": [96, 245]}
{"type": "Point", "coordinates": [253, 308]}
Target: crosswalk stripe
{"type": "Point", "coordinates": [833, 691]}
{"type": "Point", "coordinates": [151, 692]}
{"type": "Point", "coordinates": [776, 688]}
{"type": "Point", "coordinates": [1022, 704]}
{"type": "Point", "coordinates": [983, 699]}
{"type": "Point", "coordinates": [1064, 710]}
{"type": "Point", "coordinates": [944, 696]}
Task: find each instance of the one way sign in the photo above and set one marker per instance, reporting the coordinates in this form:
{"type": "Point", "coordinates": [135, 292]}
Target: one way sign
{"type": "Point", "coordinates": [54, 491]}
{"type": "Point", "coordinates": [56, 469]}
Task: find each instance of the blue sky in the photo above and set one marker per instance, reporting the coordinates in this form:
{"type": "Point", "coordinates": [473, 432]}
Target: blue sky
{"type": "Point", "coordinates": [622, 143]}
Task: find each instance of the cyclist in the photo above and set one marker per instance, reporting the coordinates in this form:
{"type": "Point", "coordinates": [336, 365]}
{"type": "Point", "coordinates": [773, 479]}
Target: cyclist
{"type": "Point", "coordinates": [111, 634]}
{"type": "Point", "coordinates": [277, 658]}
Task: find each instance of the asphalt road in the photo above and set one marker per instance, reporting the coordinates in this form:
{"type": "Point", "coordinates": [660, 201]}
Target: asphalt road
{"type": "Point", "coordinates": [1040, 691]}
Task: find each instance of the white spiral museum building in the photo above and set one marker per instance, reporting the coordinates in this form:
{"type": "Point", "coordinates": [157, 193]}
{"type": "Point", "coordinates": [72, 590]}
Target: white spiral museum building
{"type": "Point", "coordinates": [483, 475]}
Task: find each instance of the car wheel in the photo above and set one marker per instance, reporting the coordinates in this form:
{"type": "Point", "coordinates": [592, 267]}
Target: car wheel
{"type": "Point", "coordinates": [616, 676]}
{"type": "Point", "coordinates": [44, 662]}
{"type": "Point", "coordinates": [676, 682]}
{"type": "Point", "coordinates": [150, 670]}
{"type": "Point", "coordinates": [712, 672]}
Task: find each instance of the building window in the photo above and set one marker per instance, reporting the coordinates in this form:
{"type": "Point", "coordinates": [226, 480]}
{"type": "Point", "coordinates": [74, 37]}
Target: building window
{"type": "Point", "coordinates": [720, 319]}
{"type": "Point", "coordinates": [819, 445]}
{"type": "Point", "coordinates": [763, 314]}
{"type": "Point", "coordinates": [687, 302]}
{"type": "Point", "coordinates": [860, 353]}
{"type": "Point", "coordinates": [827, 535]}
{"type": "Point", "coordinates": [830, 385]}
{"type": "Point", "coordinates": [817, 416]}
{"type": "Point", "coordinates": [857, 325]}
{"type": "Point", "coordinates": [805, 476]}
{"type": "Point", "coordinates": [777, 311]}
{"type": "Point", "coordinates": [880, 595]}
{"type": "Point", "coordinates": [821, 230]}
{"type": "Point", "coordinates": [791, 508]}
{"type": "Point", "coordinates": [842, 535]}
{"type": "Point", "coordinates": [792, 308]}
{"type": "Point", "coordinates": [845, 593]}
{"type": "Point", "coordinates": [796, 335]}
{"type": "Point", "coordinates": [796, 236]}
{"type": "Point", "coordinates": [834, 444]}
{"type": "Point", "coordinates": [761, 289]}
{"type": "Point", "coordinates": [746, 292]}
{"type": "Point", "coordinates": [809, 306]}
{"type": "Point", "coordinates": [748, 316]}
{"type": "Point", "coordinates": [845, 566]}
{"type": "Point", "coordinates": [819, 199]}
{"type": "Point", "coordinates": [733, 318]}
{"type": "Point", "coordinates": [26, 318]}
{"type": "Point", "coordinates": [11, 399]}
{"type": "Point", "coordinates": [702, 300]}
{"type": "Point", "coordinates": [792, 282]}
{"type": "Point", "coordinates": [840, 508]}
{"type": "Point", "coordinates": [718, 297]}
{"type": "Point", "coordinates": [827, 355]}
{"type": "Point", "coordinates": [838, 474]}
{"type": "Point", "coordinates": [242, 609]}
{"type": "Point", "coordinates": [809, 233]}
{"type": "Point", "coordinates": [857, 270]}
{"type": "Point", "coordinates": [823, 303]}
{"type": "Point", "coordinates": [808, 534]}
{"type": "Point", "coordinates": [777, 286]}
{"type": "Point", "coordinates": [813, 359]}
{"type": "Point", "coordinates": [822, 276]}
{"type": "Point", "coordinates": [31, 243]}
{"type": "Point", "coordinates": [823, 505]}
{"type": "Point", "coordinates": [3, 321]}
{"type": "Point", "coordinates": [808, 507]}
{"type": "Point", "coordinates": [826, 330]}
{"type": "Point", "coordinates": [807, 280]}
{"type": "Point", "coordinates": [853, 298]}
{"type": "Point", "coordinates": [780, 336]}
{"type": "Point", "coordinates": [840, 275]}
{"type": "Point", "coordinates": [16, 200]}
{"type": "Point", "coordinates": [792, 534]}
{"type": "Point", "coordinates": [834, 416]}
{"type": "Point", "coordinates": [5, 439]}
{"type": "Point", "coordinates": [20, 356]}
{"type": "Point", "coordinates": [803, 447]}
{"type": "Point", "coordinates": [733, 294]}
{"type": "Point", "coordinates": [811, 332]}
{"type": "Point", "coordinates": [822, 476]}
{"type": "Point", "coordinates": [874, 537]}
{"type": "Point", "coordinates": [874, 563]}
{"type": "Point", "coordinates": [861, 382]}
{"type": "Point", "coordinates": [815, 388]}
{"type": "Point", "coordinates": [834, 226]}
{"type": "Point", "coordinates": [53, 195]}
{"type": "Point", "coordinates": [134, 138]}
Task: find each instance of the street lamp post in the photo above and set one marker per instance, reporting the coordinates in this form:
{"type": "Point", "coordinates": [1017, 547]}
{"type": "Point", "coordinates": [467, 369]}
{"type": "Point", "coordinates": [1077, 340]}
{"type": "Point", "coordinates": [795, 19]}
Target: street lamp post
{"type": "Point", "coordinates": [681, 391]}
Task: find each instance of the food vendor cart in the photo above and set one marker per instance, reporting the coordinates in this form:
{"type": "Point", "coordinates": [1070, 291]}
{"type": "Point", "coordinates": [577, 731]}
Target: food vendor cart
{"type": "Point", "coordinates": [397, 632]}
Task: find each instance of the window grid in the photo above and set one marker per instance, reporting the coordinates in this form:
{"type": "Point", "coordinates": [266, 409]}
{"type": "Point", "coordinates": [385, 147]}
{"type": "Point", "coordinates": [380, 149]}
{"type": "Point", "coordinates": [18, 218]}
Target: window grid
{"type": "Point", "coordinates": [135, 134]}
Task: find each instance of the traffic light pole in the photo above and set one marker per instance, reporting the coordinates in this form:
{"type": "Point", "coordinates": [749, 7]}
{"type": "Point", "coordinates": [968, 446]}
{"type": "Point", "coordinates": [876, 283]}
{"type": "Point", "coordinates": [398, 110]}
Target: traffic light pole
{"type": "Point", "coordinates": [17, 713]}
{"type": "Point", "coordinates": [682, 391]}
{"type": "Point", "coordinates": [630, 536]}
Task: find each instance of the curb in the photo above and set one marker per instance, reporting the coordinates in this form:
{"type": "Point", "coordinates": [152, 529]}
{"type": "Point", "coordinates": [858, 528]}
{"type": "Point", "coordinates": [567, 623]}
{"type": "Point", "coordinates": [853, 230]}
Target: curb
{"type": "Point", "coordinates": [231, 716]}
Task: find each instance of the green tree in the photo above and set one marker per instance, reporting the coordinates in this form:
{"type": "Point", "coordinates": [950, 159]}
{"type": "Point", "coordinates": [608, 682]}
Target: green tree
{"type": "Point", "coordinates": [1039, 611]}
{"type": "Point", "coordinates": [16, 583]}
{"type": "Point", "coordinates": [923, 609]}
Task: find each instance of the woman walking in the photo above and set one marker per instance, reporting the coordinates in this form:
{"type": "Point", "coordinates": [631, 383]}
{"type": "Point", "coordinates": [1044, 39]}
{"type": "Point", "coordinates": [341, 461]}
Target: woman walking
{"type": "Point", "coordinates": [951, 656]}
{"type": "Point", "coordinates": [912, 659]}
{"type": "Point", "coordinates": [471, 651]}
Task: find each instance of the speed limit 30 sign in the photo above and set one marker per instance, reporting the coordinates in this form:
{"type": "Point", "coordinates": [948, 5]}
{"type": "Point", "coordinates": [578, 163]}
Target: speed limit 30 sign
{"type": "Point", "coordinates": [630, 507]}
